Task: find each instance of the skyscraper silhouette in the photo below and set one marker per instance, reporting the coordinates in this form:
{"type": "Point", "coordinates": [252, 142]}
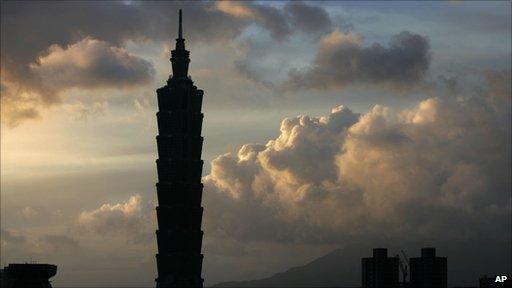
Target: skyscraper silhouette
{"type": "Point", "coordinates": [429, 270]}
{"type": "Point", "coordinates": [179, 166]}
{"type": "Point", "coordinates": [380, 271]}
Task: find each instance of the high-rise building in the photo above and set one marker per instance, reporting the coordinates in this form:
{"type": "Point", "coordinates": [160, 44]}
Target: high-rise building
{"type": "Point", "coordinates": [428, 270]}
{"type": "Point", "coordinates": [380, 271]}
{"type": "Point", "coordinates": [179, 165]}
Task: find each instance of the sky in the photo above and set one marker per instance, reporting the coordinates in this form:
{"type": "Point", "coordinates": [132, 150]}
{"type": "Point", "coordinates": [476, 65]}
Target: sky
{"type": "Point", "coordinates": [328, 124]}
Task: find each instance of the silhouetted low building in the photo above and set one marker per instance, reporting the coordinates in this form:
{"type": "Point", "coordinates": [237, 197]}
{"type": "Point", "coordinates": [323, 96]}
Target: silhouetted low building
{"type": "Point", "coordinates": [428, 270]}
{"type": "Point", "coordinates": [27, 275]}
{"type": "Point", "coordinates": [380, 271]}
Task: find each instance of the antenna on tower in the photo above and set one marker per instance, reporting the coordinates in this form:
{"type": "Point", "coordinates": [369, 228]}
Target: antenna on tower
{"type": "Point", "coordinates": [180, 31]}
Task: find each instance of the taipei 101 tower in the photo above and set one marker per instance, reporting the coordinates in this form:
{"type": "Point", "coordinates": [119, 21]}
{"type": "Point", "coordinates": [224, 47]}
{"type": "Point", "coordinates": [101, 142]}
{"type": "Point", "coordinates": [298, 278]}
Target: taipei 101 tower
{"type": "Point", "coordinates": [179, 165]}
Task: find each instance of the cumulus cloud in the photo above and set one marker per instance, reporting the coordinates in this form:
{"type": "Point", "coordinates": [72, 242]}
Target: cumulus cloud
{"type": "Point", "coordinates": [131, 218]}
{"type": "Point", "coordinates": [342, 59]}
{"type": "Point", "coordinates": [87, 64]}
{"type": "Point", "coordinates": [90, 64]}
{"type": "Point", "coordinates": [380, 174]}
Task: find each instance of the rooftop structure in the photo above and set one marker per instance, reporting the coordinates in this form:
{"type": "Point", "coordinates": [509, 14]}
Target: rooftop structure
{"type": "Point", "coordinates": [428, 270]}
{"type": "Point", "coordinates": [380, 271]}
{"type": "Point", "coordinates": [27, 275]}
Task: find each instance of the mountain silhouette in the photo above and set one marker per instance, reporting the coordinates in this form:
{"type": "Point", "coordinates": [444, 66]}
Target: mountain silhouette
{"type": "Point", "coordinates": [339, 268]}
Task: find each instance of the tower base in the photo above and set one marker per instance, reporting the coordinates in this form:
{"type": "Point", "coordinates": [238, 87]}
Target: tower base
{"type": "Point", "coordinates": [169, 282]}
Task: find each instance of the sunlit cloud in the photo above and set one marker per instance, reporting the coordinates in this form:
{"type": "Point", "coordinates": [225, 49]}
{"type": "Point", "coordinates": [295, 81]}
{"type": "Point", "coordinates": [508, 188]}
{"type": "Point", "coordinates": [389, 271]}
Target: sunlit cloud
{"type": "Point", "coordinates": [325, 177]}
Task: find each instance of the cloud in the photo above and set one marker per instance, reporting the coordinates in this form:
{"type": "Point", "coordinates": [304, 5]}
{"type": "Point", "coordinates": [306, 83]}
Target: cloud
{"type": "Point", "coordinates": [38, 244]}
{"type": "Point", "coordinates": [17, 105]}
{"type": "Point", "coordinates": [83, 112]}
{"type": "Point", "coordinates": [29, 212]}
{"type": "Point", "coordinates": [50, 243]}
{"type": "Point", "coordinates": [33, 32]}
{"type": "Point", "coordinates": [64, 24]}
{"type": "Point", "coordinates": [280, 22]}
{"type": "Point", "coordinates": [87, 64]}
{"type": "Point", "coordinates": [237, 9]}
{"type": "Point", "coordinates": [247, 69]}
{"type": "Point", "coordinates": [308, 18]}
{"type": "Point", "coordinates": [131, 218]}
{"type": "Point", "coordinates": [342, 59]}
{"type": "Point", "coordinates": [260, 63]}
{"type": "Point", "coordinates": [9, 237]}
{"type": "Point", "coordinates": [440, 170]}
{"type": "Point", "coordinates": [499, 84]}
{"type": "Point", "coordinates": [90, 64]}
{"type": "Point", "coordinates": [62, 37]}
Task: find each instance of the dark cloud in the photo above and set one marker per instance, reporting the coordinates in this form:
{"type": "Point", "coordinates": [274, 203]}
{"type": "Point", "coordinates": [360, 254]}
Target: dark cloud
{"type": "Point", "coordinates": [281, 23]}
{"type": "Point", "coordinates": [294, 16]}
{"type": "Point", "coordinates": [343, 60]}
{"type": "Point", "coordinates": [87, 64]}
{"type": "Point", "coordinates": [308, 18]}
{"type": "Point", "coordinates": [90, 64]}
{"type": "Point", "coordinates": [30, 28]}
{"type": "Point", "coordinates": [273, 20]}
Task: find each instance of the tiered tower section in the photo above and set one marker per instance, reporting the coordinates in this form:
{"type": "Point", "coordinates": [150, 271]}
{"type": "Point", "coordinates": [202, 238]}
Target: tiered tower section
{"type": "Point", "coordinates": [179, 164]}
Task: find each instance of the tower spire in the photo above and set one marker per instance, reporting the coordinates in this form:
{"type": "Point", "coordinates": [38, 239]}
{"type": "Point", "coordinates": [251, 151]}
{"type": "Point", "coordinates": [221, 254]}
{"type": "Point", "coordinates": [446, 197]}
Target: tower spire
{"type": "Point", "coordinates": [180, 31]}
{"type": "Point", "coordinates": [180, 56]}
{"type": "Point", "coordinates": [180, 42]}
